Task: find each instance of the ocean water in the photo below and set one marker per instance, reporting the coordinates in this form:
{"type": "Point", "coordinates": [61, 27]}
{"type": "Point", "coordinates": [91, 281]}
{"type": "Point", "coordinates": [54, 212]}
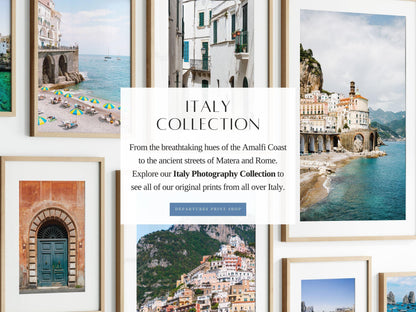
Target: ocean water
{"type": "Point", "coordinates": [5, 92]}
{"type": "Point", "coordinates": [103, 79]}
{"type": "Point", "coordinates": [408, 307]}
{"type": "Point", "coordinates": [366, 189]}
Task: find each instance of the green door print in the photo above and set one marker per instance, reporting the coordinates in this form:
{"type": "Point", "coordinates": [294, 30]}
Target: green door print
{"type": "Point", "coordinates": [52, 262]}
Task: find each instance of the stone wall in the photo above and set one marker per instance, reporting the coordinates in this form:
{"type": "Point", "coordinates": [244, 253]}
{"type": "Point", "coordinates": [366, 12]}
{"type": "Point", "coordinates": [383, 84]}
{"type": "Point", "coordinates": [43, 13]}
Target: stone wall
{"type": "Point", "coordinates": [62, 202]}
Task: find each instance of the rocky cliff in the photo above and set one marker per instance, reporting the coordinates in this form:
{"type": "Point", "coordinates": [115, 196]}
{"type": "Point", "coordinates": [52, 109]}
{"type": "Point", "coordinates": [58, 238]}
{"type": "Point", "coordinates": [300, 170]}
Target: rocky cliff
{"type": "Point", "coordinates": [311, 77]}
{"type": "Point", "coordinates": [390, 298]}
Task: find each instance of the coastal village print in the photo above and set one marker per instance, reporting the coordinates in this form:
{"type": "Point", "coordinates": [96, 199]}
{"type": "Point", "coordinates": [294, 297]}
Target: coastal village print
{"type": "Point", "coordinates": [192, 268]}
{"type": "Point", "coordinates": [211, 44]}
{"type": "Point", "coordinates": [79, 73]}
{"type": "Point", "coordinates": [5, 56]}
{"type": "Point", "coordinates": [401, 294]}
{"type": "Point", "coordinates": [352, 117]}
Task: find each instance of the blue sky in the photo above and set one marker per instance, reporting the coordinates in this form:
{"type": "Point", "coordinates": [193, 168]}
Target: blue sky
{"type": "Point", "coordinates": [97, 25]}
{"type": "Point", "coordinates": [145, 229]}
{"type": "Point", "coordinates": [401, 286]}
{"type": "Point", "coordinates": [328, 294]}
{"type": "Point", "coordinates": [5, 17]}
{"type": "Point", "coordinates": [366, 48]}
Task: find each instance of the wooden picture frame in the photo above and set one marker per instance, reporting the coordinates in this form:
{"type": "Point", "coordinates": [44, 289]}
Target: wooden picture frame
{"type": "Point", "coordinates": [47, 212]}
{"type": "Point", "coordinates": [12, 112]}
{"type": "Point", "coordinates": [382, 288]}
{"type": "Point", "coordinates": [349, 229]}
{"type": "Point", "coordinates": [34, 85]}
{"type": "Point", "coordinates": [286, 277]}
{"type": "Point", "coordinates": [123, 290]}
{"type": "Point", "coordinates": [151, 43]}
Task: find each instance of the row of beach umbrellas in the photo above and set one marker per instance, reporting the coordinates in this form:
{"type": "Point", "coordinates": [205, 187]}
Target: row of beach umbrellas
{"type": "Point", "coordinates": [82, 98]}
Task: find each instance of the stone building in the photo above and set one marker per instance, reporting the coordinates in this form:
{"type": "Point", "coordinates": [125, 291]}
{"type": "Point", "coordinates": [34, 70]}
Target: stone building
{"type": "Point", "coordinates": [4, 44]}
{"type": "Point", "coordinates": [51, 234]}
{"type": "Point", "coordinates": [175, 43]}
{"type": "Point", "coordinates": [49, 24]}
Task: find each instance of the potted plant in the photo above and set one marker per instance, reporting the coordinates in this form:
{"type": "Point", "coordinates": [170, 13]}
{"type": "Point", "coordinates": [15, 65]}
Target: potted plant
{"type": "Point", "coordinates": [234, 34]}
{"type": "Point", "coordinates": [238, 32]}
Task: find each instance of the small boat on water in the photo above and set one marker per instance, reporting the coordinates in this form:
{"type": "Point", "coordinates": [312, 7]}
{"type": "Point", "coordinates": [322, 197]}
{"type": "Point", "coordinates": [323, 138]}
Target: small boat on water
{"type": "Point", "coordinates": [108, 57]}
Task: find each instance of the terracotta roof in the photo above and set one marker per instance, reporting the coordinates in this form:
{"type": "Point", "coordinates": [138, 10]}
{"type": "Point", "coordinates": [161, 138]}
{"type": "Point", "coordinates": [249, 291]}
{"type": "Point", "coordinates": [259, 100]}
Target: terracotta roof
{"type": "Point", "coordinates": [45, 3]}
{"type": "Point", "coordinates": [360, 97]}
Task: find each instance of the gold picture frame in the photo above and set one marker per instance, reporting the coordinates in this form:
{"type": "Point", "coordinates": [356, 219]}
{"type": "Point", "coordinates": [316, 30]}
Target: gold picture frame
{"type": "Point", "coordinates": [382, 287]}
{"type": "Point", "coordinates": [286, 276]}
{"type": "Point", "coordinates": [12, 112]}
{"type": "Point", "coordinates": [150, 43]}
{"type": "Point", "coordinates": [89, 162]}
{"type": "Point", "coordinates": [34, 76]}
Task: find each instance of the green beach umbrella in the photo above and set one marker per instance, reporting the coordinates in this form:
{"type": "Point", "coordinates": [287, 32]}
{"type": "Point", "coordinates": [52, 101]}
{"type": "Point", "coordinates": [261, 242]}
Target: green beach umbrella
{"type": "Point", "coordinates": [108, 106]}
{"type": "Point", "coordinates": [76, 111]}
{"type": "Point", "coordinates": [68, 95]}
{"type": "Point", "coordinates": [44, 88]}
{"type": "Point", "coordinates": [83, 98]}
{"type": "Point", "coordinates": [41, 120]}
{"type": "Point", "coordinates": [95, 101]}
{"type": "Point", "coordinates": [58, 92]}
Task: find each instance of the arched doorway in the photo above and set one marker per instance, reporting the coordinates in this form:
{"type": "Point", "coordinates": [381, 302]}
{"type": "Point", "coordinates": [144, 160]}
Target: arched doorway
{"type": "Point", "coordinates": [311, 144]}
{"type": "Point", "coordinates": [245, 82]}
{"type": "Point", "coordinates": [48, 70]}
{"type": "Point", "coordinates": [328, 144]}
{"type": "Point", "coordinates": [371, 142]}
{"type": "Point", "coordinates": [302, 145]}
{"type": "Point", "coordinates": [335, 141]}
{"type": "Point", "coordinates": [63, 66]}
{"type": "Point", "coordinates": [358, 143]}
{"type": "Point", "coordinates": [320, 144]}
{"type": "Point", "coordinates": [52, 247]}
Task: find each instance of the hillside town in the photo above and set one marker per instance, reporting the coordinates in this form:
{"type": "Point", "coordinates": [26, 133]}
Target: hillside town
{"type": "Point", "coordinates": [223, 282]}
{"type": "Point", "coordinates": [211, 43]}
{"type": "Point", "coordinates": [5, 55]}
{"type": "Point", "coordinates": [310, 309]}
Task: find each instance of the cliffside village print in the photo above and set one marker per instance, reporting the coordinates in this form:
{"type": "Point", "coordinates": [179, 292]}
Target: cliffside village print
{"type": "Point", "coordinates": [211, 44]}
{"type": "Point", "coordinates": [223, 282]}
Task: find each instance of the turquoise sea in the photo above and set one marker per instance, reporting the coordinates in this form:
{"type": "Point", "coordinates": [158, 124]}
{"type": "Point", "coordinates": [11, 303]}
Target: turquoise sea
{"type": "Point", "coordinates": [366, 189]}
{"type": "Point", "coordinates": [398, 307]}
{"type": "Point", "coordinates": [103, 79]}
{"type": "Point", "coordinates": [5, 92]}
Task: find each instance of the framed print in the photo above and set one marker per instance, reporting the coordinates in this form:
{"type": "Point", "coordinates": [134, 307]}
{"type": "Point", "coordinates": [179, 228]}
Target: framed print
{"type": "Point", "coordinates": [190, 267]}
{"type": "Point", "coordinates": [8, 58]}
{"type": "Point", "coordinates": [81, 56]}
{"type": "Point", "coordinates": [397, 291]}
{"type": "Point", "coordinates": [52, 234]}
{"type": "Point", "coordinates": [354, 149]}
{"type": "Point", "coordinates": [209, 44]}
{"type": "Point", "coordinates": [326, 284]}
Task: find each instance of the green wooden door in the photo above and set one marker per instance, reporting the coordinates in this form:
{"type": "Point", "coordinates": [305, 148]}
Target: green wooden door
{"type": "Point", "coordinates": [205, 56]}
{"type": "Point", "coordinates": [52, 262]}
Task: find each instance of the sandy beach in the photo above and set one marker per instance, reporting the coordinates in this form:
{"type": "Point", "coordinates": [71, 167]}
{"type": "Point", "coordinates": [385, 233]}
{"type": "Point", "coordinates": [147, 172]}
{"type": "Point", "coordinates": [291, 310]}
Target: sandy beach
{"type": "Point", "coordinates": [316, 170]}
{"type": "Point", "coordinates": [86, 123]}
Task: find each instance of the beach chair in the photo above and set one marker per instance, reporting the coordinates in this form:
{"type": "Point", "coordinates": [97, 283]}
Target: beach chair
{"type": "Point", "coordinates": [70, 125]}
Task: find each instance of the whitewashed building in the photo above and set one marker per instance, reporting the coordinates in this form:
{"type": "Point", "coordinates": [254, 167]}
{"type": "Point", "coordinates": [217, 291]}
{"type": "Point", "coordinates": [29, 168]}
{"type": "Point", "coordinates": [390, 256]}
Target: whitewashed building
{"type": "Point", "coordinates": [175, 43]}
{"type": "Point", "coordinates": [232, 25]}
{"type": "Point", "coordinates": [49, 24]}
{"type": "Point", "coordinates": [196, 45]}
{"type": "Point", "coordinates": [4, 44]}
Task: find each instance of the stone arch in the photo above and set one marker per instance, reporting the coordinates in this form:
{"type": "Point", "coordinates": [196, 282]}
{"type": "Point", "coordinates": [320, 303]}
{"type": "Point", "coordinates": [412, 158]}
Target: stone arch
{"type": "Point", "coordinates": [48, 69]}
{"type": "Point", "coordinates": [302, 144]}
{"type": "Point", "coordinates": [311, 144]}
{"type": "Point", "coordinates": [320, 141]}
{"type": "Point", "coordinates": [60, 216]}
{"type": "Point", "coordinates": [358, 145]}
{"type": "Point", "coordinates": [371, 141]}
{"type": "Point", "coordinates": [328, 144]}
{"type": "Point", "coordinates": [335, 141]}
{"type": "Point", "coordinates": [63, 65]}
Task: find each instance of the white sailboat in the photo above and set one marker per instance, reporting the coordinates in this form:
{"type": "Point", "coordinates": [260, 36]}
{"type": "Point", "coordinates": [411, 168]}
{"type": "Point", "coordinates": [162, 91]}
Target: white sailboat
{"type": "Point", "coordinates": [108, 57]}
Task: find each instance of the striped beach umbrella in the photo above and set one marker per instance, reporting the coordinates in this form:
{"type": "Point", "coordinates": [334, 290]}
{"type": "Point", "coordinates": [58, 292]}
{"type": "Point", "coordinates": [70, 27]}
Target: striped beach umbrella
{"type": "Point", "coordinates": [44, 88]}
{"type": "Point", "coordinates": [108, 106]}
{"type": "Point", "coordinates": [95, 101]}
{"type": "Point", "coordinates": [58, 92]}
{"type": "Point", "coordinates": [41, 120]}
{"type": "Point", "coordinates": [76, 111]}
{"type": "Point", "coordinates": [68, 95]}
{"type": "Point", "coordinates": [83, 98]}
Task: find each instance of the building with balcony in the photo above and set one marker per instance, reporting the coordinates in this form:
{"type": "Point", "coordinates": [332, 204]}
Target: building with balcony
{"type": "Point", "coordinates": [4, 44]}
{"type": "Point", "coordinates": [49, 24]}
{"type": "Point", "coordinates": [175, 8]}
{"type": "Point", "coordinates": [196, 44]}
{"type": "Point", "coordinates": [232, 26]}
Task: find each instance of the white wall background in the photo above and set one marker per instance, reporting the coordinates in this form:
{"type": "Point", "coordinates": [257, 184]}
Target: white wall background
{"type": "Point", "coordinates": [15, 139]}
{"type": "Point", "coordinates": [387, 256]}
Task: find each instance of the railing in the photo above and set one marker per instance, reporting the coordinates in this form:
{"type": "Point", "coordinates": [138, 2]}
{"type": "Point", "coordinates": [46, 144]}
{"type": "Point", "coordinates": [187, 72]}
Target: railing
{"type": "Point", "coordinates": [241, 42]}
{"type": "Point", "coordinates": [200, 64]}
{"type": "Point", "coordinates": [66, 48]}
